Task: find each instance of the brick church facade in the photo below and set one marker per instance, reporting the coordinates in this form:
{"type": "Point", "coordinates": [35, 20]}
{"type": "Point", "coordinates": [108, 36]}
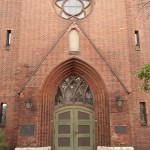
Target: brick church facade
{"type": "Point", "coordinates": [71, 70]}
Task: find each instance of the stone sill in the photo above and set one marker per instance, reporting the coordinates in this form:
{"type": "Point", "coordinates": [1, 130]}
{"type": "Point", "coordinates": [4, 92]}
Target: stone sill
{"type": "Point", "coordinates": [137, 48]}
{"type": "Point", "coordinates": [74, 53]}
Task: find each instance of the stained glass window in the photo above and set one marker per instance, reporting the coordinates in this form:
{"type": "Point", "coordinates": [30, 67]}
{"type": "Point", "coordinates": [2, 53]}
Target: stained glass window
{"type": "Point", "coordinates": [89, 97]}
{"type": "Point", "coordinates": [73, 89]}
{"type": "Point", "coordinates": [58, 97]}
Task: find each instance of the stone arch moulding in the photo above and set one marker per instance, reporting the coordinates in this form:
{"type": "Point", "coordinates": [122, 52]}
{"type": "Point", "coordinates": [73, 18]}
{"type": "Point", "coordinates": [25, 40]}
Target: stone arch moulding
{"type": "Point", "coordinates": [78, 67]}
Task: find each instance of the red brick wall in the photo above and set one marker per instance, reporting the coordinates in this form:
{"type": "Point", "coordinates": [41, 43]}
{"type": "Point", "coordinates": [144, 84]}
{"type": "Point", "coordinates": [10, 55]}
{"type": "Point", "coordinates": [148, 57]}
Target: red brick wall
{"type": "Point", "coordinates": [9, 20]}
{"type": "Point", "coordinates": [139, 20]}
{"type": "Point", "coordinates": [36, 28]}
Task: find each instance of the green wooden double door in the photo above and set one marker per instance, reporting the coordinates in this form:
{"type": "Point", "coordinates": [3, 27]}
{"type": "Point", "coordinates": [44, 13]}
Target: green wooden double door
{"type": "Point", "coordinates": [74, 128]}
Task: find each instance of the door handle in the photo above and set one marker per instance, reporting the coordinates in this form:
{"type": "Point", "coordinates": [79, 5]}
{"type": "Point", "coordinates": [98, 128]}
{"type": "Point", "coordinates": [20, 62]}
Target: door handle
{"type": "Point", "coordinates": [76, 132]}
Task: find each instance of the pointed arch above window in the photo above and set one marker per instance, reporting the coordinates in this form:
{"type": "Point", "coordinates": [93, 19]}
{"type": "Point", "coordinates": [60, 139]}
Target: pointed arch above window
{"type": "Point", "coordinates": [73, 89]}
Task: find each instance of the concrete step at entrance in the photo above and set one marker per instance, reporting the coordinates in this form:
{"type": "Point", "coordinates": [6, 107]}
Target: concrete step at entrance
{"type": "Point", "coordinates": [114, 148]}
{"type": "Point", "coordinates": [33, 148]}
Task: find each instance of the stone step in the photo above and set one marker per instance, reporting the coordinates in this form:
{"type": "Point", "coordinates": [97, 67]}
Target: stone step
{"type": "Point", "coordinates": [114, 148]}
{"type": "Point", "coordinates": [34, 148]}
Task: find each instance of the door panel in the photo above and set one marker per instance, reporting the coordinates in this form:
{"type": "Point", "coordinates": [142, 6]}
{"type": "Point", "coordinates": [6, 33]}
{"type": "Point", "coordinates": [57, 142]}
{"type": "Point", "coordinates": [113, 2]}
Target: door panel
{"type": "Point", "coordinates": [84, 136]}
{"type": "Point", "coordinates": [63, 131]}
{"type": "Point", "coordinates": [74, 129]}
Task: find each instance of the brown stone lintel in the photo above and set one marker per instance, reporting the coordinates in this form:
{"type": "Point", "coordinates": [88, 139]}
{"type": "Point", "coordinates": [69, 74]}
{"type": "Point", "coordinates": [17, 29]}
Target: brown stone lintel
{"type": "Point", "coordinates": [74, 53]}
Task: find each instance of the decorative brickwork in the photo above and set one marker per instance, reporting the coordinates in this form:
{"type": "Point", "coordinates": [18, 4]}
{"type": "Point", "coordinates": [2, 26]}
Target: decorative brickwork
{"type": "Point", "coordinates": [38, 60]}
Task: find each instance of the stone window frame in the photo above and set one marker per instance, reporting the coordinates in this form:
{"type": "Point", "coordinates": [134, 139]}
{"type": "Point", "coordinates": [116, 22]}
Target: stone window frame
{"type": "Point", "coordinates": [61, 9]}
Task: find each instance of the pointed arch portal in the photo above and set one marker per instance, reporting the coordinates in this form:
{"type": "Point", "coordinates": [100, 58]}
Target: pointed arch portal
{"type": "Point", "coordinates": [74, 68]}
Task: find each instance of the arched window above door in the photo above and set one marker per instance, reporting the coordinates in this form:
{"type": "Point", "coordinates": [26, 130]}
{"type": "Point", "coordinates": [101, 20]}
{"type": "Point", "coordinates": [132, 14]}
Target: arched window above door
{"type": "Point", "coordinates": [73, 89]}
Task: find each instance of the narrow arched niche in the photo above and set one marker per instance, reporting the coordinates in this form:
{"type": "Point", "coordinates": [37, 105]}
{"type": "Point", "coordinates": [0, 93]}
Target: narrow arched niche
{"type": "Point", "coordinates": [74, 41]}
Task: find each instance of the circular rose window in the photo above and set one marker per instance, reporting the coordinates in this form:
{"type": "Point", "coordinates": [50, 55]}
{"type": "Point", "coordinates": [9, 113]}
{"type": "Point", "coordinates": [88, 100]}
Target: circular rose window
{"type": "Point", "coordinates": [70, 9]}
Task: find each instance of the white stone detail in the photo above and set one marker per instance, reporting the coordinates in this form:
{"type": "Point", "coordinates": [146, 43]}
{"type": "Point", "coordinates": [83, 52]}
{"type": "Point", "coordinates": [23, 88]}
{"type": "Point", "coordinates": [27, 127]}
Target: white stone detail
{"type": "Point", "coordinates": [114, 148]}
{"type": "Point", "coordinates": [74, 40]}
{"type": "Point", "coordinates": [34, 148]}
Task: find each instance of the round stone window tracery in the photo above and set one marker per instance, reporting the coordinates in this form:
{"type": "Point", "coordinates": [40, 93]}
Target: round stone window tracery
{"type": "Point", "coordinates": [73, 9]}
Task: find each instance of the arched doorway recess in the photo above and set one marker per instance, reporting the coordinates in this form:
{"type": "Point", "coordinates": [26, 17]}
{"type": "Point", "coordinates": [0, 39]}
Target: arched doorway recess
{"type": "Point", "coordinates": [73, 67]}
{"type": "Point", "coordinates": [74, 119]}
